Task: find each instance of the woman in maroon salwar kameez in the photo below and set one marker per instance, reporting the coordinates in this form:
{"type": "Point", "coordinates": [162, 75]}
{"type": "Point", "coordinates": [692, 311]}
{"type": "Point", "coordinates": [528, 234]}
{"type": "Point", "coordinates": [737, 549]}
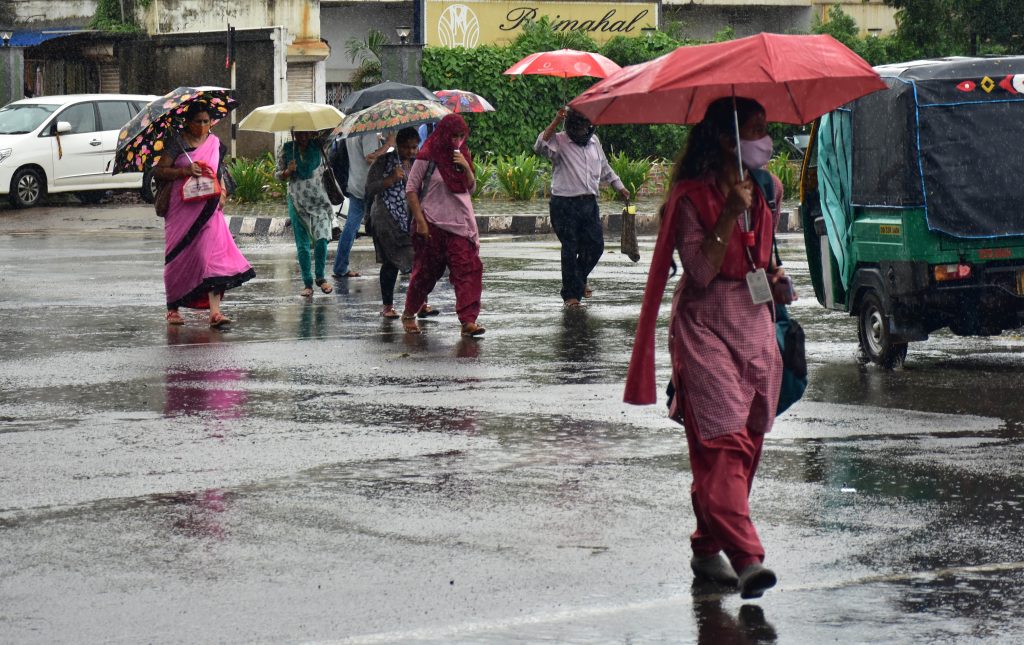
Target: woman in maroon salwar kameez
{"type": "Point", "coordinates": [445, 234]}
{"type": "Point", "coordinates": [726, 366]}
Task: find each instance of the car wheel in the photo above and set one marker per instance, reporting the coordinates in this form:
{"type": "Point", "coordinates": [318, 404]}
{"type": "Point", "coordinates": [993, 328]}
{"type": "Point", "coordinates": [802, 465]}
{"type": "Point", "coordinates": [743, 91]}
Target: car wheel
{"type": "Point", "coordinates": [91, 196]}
{"type": "Point", "coordinates": [148, 190]}
{"type": "Point", "coordinates": [27, 188]}
{"type": "Point", "coordinates": [873, 333]}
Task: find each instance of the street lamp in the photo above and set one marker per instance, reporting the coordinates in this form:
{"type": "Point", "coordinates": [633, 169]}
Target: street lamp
{"type": "Point", "coordinates": [403, 34]}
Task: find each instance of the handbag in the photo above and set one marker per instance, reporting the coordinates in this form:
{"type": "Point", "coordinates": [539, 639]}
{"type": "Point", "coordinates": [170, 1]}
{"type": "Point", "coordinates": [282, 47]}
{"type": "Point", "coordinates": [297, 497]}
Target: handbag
{"type": "Point", "coordinates": [331, 187]}
{"type": "Point", "coordinates": [790, 337]}
{"type": "Point", "coordinates": [788, 333]}
{"type": "Point", "coordinates": [162, 199]}
{"type": "Point", "coordinates": [627, 241]}
{"type": "Point", "coordinates": [201, 188]}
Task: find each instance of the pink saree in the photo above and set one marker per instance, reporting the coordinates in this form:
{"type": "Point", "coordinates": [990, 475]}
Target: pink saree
{"type": "Point", "coordinates": [200, 255]}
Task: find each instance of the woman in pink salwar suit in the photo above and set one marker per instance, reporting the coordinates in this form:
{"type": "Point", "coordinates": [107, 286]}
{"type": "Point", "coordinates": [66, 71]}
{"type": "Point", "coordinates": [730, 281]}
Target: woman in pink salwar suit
{"type": "Point", "coordinates": [201, 260]}
{"type": "Point", "coordinates": [727, 369]}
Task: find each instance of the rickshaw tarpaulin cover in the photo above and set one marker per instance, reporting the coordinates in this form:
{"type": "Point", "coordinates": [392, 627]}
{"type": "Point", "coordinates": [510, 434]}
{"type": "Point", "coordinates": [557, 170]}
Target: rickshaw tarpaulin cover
{"type": "Point", "coordinates": [946, 137]}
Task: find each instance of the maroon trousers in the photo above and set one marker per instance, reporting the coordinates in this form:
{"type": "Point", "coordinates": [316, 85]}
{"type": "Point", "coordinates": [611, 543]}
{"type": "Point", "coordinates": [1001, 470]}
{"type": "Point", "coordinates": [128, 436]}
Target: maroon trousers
{"type": "Point", "coordinates": [723, 472]}
{"type": "Point", "coordinates": [465, 271]}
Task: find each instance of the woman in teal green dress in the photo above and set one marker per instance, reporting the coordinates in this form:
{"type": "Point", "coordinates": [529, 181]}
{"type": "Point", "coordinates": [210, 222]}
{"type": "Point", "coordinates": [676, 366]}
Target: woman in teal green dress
{"type": "Point", "coordinates": [300, 162]}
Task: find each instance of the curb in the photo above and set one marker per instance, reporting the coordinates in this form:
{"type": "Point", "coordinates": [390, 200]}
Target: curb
{"type": "Point", "coordinates": [262, 226]}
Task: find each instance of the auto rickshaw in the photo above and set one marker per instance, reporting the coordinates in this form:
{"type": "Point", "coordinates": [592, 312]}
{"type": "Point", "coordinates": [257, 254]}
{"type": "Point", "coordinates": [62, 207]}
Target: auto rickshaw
{"type": "Point", "coordinates": [912, 204]}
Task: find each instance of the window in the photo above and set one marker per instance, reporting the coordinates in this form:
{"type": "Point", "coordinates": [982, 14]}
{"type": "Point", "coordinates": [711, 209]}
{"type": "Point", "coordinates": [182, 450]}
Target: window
{"type": "Point", "coordinates": [82, 118]}
{"type": "Point", "coordinates": [113, 114]}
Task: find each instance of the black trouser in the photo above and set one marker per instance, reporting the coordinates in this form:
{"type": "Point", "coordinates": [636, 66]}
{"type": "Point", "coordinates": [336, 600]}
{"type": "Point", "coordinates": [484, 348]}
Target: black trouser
{"type": "Point", "coordinates": [388, 278]}
{"type": "Point", "coordinates": [577, 223]}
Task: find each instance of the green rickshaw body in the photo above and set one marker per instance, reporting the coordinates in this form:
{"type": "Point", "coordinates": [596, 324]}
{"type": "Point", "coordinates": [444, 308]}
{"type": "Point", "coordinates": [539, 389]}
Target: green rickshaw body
{"type": "Point", "coordinates": [912, 204]}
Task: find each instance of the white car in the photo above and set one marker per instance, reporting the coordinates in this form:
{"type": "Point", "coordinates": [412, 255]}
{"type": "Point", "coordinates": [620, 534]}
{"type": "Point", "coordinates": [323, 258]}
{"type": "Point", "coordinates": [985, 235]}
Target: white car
{"type": "Point", "coordinates": [58, 144]}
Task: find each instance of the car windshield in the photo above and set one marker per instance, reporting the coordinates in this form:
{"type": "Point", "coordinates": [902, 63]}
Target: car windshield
{"type": "Point", "coordinates": [24, 117]}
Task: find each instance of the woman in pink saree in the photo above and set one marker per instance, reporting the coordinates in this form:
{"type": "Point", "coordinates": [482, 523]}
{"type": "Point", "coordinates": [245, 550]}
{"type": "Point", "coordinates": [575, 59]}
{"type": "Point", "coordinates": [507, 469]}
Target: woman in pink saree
{"type": "Point", "coordinates": [201, 260]}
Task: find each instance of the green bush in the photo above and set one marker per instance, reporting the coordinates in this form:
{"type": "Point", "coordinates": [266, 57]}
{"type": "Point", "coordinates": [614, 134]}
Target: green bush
{"type": "Point", "coordinates": [254, 179]}
{"type": "Point", "coordinates": [787, 171]}
{"type": "Point", "coordinates": [483, 170]}
{"type": "Point", "coordinates": [522, 176]}
{"type": "Point", "coordinates": [632, 172]}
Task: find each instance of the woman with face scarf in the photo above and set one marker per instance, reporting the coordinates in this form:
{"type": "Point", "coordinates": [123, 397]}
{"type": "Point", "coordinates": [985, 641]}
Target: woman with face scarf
{"type": "Point", "coordinates": [445, 235]}
{"type": "Point", "coordinates": [726, 367]}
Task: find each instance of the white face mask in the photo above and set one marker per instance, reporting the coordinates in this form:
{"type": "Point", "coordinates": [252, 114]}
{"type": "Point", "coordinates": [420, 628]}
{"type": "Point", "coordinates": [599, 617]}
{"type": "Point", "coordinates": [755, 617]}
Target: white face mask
{"type": "Point", "coordinates": [756, 153]}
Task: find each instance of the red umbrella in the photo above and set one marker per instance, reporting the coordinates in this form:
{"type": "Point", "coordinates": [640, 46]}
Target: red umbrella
{"type": "Point", "coordinates": [795, 78]}
{"type": "Point", "coordinates": [565, 63]}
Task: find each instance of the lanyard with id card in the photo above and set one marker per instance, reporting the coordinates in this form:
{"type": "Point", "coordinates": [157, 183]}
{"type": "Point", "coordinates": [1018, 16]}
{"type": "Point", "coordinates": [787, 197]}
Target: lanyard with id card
{"type": "Point", "coordinates": [757, 279]}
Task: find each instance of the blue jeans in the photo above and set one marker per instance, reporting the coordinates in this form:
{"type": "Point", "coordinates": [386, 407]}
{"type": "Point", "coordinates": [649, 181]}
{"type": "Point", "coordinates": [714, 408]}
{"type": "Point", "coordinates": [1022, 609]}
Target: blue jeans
{"type": "Point", "coordinates": [348, 235]}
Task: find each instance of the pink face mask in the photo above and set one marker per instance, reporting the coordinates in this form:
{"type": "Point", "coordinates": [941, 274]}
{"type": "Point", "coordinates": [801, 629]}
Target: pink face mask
{"type": "Point", "coordinates": [756, 153]}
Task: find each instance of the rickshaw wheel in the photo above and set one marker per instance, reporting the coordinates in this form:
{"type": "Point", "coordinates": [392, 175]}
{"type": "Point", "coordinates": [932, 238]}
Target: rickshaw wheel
{"type": "Point", "coordinates": [873, 333]}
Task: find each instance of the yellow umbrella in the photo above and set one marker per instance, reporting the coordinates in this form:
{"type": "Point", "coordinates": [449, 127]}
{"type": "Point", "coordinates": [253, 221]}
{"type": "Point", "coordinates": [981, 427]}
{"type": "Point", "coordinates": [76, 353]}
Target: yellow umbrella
{"type": "Point", "coordinates": [294, 115]}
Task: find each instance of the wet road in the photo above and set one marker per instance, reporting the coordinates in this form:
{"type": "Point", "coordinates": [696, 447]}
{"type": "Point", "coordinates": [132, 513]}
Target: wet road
{"type": "Point", "coordinates": [314, 475]}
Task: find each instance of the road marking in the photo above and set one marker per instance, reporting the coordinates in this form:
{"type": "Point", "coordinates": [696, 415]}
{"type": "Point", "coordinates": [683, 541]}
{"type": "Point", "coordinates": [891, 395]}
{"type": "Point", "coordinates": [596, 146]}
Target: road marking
{"type": "Point", "coordinates": [434, 633]}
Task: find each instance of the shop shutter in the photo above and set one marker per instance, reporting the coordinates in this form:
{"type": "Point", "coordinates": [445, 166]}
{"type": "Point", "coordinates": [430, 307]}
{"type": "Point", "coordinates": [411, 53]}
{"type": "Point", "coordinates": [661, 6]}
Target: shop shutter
{"type": "Point", "coordinates": [300, 82]}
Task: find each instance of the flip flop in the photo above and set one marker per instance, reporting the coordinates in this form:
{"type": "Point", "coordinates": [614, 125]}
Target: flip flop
{"type": "Point", "coordinates": [409, 324]}
{"type": "Point", "coordinates": [426, 311]}
{"type": "Point", "coordinates": [389, 312]}
{"type": "Point", "coordinates": [174, 318]}
{"type": "Point", "coordinates": [307, 292]}
{"type": "Point", "coordinates": [472, 329]}
{"type": "Point", "coordinates": [219, 320]}
{"type": "Point", "coordinates": [324, 285]}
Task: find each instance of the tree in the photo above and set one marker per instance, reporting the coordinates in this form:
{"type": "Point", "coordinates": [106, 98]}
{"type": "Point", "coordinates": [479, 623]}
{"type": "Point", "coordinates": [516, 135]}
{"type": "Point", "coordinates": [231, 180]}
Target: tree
{"type": "Point", "coordinates": [367, 53]}
{"type": "Point", "coordinates": [971, 27]}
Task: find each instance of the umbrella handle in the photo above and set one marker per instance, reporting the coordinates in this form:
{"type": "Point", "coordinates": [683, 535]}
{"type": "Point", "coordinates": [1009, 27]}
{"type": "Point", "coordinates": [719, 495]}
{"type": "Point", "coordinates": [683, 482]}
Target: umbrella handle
{"type": "Point", "coordinates": [739, 152]}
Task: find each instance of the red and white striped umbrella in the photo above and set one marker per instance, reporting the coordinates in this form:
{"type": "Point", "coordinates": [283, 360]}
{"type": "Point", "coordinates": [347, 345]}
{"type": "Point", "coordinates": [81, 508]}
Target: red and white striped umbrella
{"type": "Point", "coordinates": [565, 63]}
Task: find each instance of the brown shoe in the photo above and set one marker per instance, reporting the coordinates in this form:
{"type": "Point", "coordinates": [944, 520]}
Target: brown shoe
{"type": "Point", "coordinates": [472, 329]}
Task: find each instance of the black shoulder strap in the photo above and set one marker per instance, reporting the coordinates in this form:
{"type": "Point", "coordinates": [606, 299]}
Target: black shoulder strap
{"type": "Point", "coordinates": [763, 178]}
{"type": "Point", "coordinates": [426, 178]}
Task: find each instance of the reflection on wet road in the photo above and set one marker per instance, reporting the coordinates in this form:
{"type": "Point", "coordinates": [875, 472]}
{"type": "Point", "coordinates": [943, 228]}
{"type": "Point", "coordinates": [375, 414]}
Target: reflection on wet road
{"type": "Point", "coordinates": [315, 474]}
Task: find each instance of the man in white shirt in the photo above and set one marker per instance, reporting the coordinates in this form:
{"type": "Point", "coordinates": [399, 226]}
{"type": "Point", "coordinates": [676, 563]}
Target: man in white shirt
{"type": "Point", "coordinates": [579, 165]}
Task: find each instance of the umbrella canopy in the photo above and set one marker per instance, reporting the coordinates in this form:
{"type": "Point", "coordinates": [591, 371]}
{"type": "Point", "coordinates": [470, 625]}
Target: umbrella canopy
{"type": "Point", "coordinates": [140, 141]}
{"type": "Point", "coordinates": [795, 78]}
{"type": "Point", "coordinates": [565, 63]}
{"type": "Point", "coordinates": [362, 99]}
{"type": "Point", "coordinates": [390, 114]}
{"type": "Point", "coordinates": [294, 115]}
{"type": "Point", "coordinates": [463, 101]}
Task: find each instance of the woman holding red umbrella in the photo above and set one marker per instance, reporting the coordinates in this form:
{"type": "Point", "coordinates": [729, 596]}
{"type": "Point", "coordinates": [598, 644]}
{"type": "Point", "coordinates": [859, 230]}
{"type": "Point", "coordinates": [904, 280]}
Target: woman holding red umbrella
{"type": "Point", "coordinates": [726, 364]}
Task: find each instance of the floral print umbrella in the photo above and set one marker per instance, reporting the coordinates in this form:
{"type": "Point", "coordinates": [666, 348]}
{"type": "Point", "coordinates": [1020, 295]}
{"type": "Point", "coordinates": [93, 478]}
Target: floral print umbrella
{"type": "Point", "coordinates": [463, 101]}
{"type": "Point", "coordinates": [390, 114]}
{"type": "Point", "coordinates": [140, 141]}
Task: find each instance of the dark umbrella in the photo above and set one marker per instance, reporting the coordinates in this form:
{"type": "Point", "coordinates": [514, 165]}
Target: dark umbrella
{"type": "Point", "coordinates": [362, 99]}
{"type": "Point", "coordinates": [141, 140]}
